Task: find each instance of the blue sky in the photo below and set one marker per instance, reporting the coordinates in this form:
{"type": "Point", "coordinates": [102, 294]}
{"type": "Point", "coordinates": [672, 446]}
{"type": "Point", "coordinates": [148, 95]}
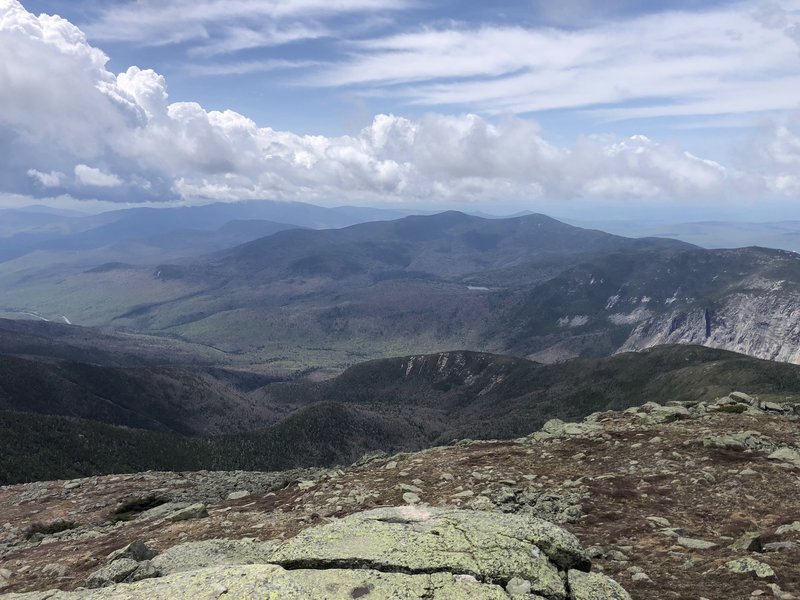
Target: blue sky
{"type": "Point", "coordinates": [657, 105]}
{"type": "Point", "coordinates": [272, 82]}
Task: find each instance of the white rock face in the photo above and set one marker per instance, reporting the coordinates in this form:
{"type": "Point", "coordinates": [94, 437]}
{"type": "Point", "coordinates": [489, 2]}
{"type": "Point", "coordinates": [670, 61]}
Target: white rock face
{"type": "Point", "coordinates": [764, 325]}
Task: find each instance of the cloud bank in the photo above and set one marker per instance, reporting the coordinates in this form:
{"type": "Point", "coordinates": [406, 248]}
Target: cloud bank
{"type": "Point", "coordinates": [77, 128]}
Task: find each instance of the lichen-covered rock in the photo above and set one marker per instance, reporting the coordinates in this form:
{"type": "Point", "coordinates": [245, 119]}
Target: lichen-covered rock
{"type": "Point", "coordinates": [161, 511]}
{"type": "Point", "coordinates": [558, 428]}
{"type": "Point", "coordinates": [554, 427]}
{"type": "Point", "coordinates": [788, 528]}
{"type": "Point", "coordinates": [748, 542]}
{"type": "Point", "coordinates": [137, 551]}
{"type": "Point", "coordinates": [238, 495]}
{"type": "Point", "coordinates": [594, 586]}
{"type": "Point", "coordinates": [584, 428]}
{"type": "Point", "coordinates": [656, 413]}
{"type": "Point", "coordinates": [742, 397]}
{"type": "Point", "coordinates": [695, 544]}
{"type": "Point", "coordinates": [272, 581]}
{"type": "Point", "coordinates": [786, 454]}
{"type": "Point", "coordinates": [726, 442]}
{"type": "Point", "coordinates": [197, 555]}
{"type": "Point", "coordinates": [114, 572]}
{"type": "Point", "coordinates": [751, 566]}
{"type": "Point", "coordinates": [404, 552]}
{"type": "Point", "coordinates": [491, 546]}
{"type": "Point", "coordinates": [145, 570]}
{"type": "Point", "coordinates": [193, 511]}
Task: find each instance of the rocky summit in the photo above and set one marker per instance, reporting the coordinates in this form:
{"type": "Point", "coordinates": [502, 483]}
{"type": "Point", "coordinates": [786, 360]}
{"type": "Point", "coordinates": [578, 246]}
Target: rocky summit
{"type": "Point", "coordinates": [684, 500]}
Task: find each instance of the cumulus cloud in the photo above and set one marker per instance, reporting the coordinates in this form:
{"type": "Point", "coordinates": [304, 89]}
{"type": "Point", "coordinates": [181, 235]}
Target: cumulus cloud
{"type": "Point", "coordinates": [86, 175]}
{"type": "Point", "coordinates": [51, 179]}
{"type": "Point", "coordinates": [774, 155]}
{"type": "Point", "coordinates": [122, 134]}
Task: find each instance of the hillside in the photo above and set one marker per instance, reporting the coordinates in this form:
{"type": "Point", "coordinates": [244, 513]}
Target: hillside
{"type": "Point", "coordinates": [384, 405]}
{"type": "Point", "coordinates": [48, 341]}
{"type": "Point", "coordinates": [304, 298]}
{"type": "Point", "coordinates": [185, 401]}
{"type": "Point", "coordinates": [742, 300]}
{"type": "Point", "coordinates": [527, 286]}
{"type": "Point", "coordinates": [667, 500]}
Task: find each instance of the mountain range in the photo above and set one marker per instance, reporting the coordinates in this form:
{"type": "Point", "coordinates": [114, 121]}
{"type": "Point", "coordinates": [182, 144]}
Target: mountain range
{"type": "Point", "coordinates": [282, 351]}
{"type": "Point", "coordinates": [528, 286]}
{"type": "Point", "coordinates": [61, 418]}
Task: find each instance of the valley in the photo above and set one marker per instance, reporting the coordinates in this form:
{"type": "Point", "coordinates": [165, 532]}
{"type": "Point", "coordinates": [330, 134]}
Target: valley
{"type": "Point", "coordinates": [62, 418]}
{"type": "Point", "coordinates": [260, 358]}
{"type": "Point", "coordinates": [527, 286]}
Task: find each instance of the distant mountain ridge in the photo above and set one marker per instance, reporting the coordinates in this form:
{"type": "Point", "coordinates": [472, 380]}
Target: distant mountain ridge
{"type": "Point", "coordinates": [24, 231]}
{"type": "Point", "coordinates": [415, 282]}
{"type": "Point", "coordinates": [529, 286]}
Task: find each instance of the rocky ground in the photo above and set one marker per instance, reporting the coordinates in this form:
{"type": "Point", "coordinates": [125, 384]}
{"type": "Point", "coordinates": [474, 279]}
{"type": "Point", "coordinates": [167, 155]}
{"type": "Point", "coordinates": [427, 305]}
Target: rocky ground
{"type": "Point", "coordinates": [678, 501]}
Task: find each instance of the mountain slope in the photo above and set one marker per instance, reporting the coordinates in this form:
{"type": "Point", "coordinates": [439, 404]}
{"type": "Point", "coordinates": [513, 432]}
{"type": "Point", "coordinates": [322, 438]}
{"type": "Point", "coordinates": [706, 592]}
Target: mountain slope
{"type": "Point", "coordinates": [467, 394]}
{"type": "Point", "coordinates": [743, 300]}
{"type": "Point", "coordinates": [169, 399]}
{"type": "Point", "coordinates": [334, 297]}
{"type": "Point", "coordinates": [49, 341]}
{"type": "Point", "coordinates": [528, 286]}
{"type": "Point", "coordinates": [641, 493]}
{"type": "Point", "coordinates": [445, 245]}
{"type": "Point", "coordinates": [390, 405]}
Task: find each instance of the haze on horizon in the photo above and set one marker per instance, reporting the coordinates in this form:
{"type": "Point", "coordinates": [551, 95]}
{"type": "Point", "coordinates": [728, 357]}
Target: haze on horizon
{"type": "Point", "coordinates": [673, 111]}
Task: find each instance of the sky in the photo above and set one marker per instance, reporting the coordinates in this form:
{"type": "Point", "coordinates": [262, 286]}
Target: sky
{"type": "Point", "coordinates": [684, 109]}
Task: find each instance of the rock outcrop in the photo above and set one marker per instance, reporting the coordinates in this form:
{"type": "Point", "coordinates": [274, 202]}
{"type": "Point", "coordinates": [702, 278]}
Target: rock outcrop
{"type": "Point", "coordinates": [404, 552]}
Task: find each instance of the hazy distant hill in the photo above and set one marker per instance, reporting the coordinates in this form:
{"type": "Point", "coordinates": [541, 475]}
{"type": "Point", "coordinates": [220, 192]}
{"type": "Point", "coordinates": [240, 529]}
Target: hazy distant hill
{"type": "Point", "coordinates": [782, 235]}
{"type": "Point", "coordinates": [185, 230]}
{"type": "Point", "coordinates": [338, 296]}
{"type": "Point", "coordinates": [529, 286]}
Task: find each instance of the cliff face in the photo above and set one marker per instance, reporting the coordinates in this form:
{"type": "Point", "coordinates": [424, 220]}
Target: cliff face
{"type": "Point", "coordinates": [745, 300]}
{"type": "Point", "coordinates": [764, 325]}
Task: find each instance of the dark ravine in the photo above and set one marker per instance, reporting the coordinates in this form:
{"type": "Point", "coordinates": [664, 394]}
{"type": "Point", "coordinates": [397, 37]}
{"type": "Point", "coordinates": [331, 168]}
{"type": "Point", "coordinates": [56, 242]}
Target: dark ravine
{"type": "Point", "coordinates": [386, 405]}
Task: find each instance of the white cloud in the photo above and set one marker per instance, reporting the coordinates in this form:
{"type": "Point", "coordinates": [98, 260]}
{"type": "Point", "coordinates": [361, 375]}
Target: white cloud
{"type": "Point", "coordinates": [725, 60]}
{"type": "Point", "coordinates": [774, 155]}
{"type": "Point", "coordinates": [234, 39]}
{"type": "Point", "coordinates": [246, 67]}
{"type": "Point", "coordinates": [51, 179]}
{"type": "Point", "coordinates": [87, 175]}
{"type": "Point", "coordinates": [223, 26]}
{"type": "Point", "coordinates": [150, 149]}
